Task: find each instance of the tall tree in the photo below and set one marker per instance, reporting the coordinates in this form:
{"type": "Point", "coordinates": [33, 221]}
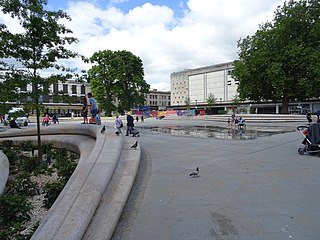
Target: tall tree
{"type": "Point", "coordinates": [39, 47]}
{"type": "Point", "coordinates": [117, 80]}
{"type": "Point", "coordinates": [280, 62]}
{"type": "Point", "coordinates": [211, 100]}
{"type": "Point", "coordinates": [187, 102]}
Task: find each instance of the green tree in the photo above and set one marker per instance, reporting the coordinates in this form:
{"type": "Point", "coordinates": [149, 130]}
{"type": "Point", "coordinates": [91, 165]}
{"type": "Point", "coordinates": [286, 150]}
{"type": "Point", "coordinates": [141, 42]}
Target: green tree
{"type": "Point", "coordinates": [37, 48]}
{"type": "Point", "coordinates": [187, 102]}
{"type": "Point", "coordinates": [211, 100]}
{"type": "Point", "coordinates": [280, 62]}
{"type": "Point", "coordinates": [117, 80]}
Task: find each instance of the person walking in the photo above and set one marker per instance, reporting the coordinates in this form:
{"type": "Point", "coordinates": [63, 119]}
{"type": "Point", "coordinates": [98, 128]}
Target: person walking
{"type": "Point", "coordinates": [130, 124]}
{"type": "Point", "coordinates": [118, 124]}
{"type": "Point", "coordinates": [84, 110]}
{"type": "Point", "coordinates": [93, 107]}
{"type": "Point", "coordinates": [308, 116]}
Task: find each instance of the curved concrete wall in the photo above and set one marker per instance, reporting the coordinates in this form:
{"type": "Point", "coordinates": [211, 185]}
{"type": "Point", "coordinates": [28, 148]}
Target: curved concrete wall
{"type": "Point", "coordinates": [72, 212]}
{"type": "Point", "coordinates": [4, 171]}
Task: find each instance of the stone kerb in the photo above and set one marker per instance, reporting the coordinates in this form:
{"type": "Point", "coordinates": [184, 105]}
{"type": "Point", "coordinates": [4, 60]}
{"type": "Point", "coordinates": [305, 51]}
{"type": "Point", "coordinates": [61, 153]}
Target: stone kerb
{"type": "Point", "coordinates": [4, 171]}
{"type": "Point", "coordinates": [70, 215]}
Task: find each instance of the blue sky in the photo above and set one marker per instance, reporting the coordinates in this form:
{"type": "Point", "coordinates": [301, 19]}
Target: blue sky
{"type": "Point", "coordinates": [125, 5]}
{"type": "Point", "coordinates": [168, 35]}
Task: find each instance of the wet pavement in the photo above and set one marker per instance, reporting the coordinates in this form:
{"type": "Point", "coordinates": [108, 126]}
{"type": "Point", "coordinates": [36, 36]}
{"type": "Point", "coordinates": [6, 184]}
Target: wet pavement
{"type": "Point", "coordinates": [252, 190]}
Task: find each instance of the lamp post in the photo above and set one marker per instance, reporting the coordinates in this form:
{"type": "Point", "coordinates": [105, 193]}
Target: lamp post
{"type": "Point", "coordinates": [196, 110]}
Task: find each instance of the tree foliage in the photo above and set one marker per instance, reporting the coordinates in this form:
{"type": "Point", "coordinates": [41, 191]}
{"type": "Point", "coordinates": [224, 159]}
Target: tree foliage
{"type": "Point", "coordinates": [280, 62]}
{"type": "Point", "coordinates": [117, 80]}
{"type": "Point", "coordinates": [211, 100]}
{"type": "Point", "coordinates": [37, 48]}
{"type": "Point", "coordinates": [187, 102]}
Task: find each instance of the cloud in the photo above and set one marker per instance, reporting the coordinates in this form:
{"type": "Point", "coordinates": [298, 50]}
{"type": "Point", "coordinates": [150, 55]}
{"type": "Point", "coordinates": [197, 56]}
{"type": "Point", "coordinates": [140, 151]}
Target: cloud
{"type": "Point", "coordinates": [206, 33]}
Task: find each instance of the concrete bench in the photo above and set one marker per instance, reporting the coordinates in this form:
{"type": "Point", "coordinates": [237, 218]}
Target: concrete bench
{"type": "Point", "coordinates": [90, 184]}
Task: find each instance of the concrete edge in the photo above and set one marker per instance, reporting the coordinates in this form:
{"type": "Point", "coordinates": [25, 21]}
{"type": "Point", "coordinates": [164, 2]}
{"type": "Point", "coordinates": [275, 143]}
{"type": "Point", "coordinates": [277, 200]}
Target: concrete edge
{"type": "Point", "coordinates": [115, 196]}
{"type": "Point", "coordinates": [70, 215]}
{"type": "Point", "coordinates": [4, 171]}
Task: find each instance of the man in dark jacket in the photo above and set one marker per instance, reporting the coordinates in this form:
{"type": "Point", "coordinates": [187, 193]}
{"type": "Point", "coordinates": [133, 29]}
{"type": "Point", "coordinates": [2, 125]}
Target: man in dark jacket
{"type": "Point", "coordinates": [130, 124]}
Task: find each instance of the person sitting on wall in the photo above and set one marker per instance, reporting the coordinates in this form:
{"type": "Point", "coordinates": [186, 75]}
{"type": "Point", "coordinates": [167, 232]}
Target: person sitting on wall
{"type": "Point", "coordinates": [13, 124]}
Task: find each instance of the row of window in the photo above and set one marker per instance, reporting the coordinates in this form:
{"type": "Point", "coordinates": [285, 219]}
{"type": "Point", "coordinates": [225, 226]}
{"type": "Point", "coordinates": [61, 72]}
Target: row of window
{"type": "Point", "coordinates": [160, 97]}
{"type": "Point", "coordinates": [178, 83]}
{"type": "Point", "coordinates": [65, 88]}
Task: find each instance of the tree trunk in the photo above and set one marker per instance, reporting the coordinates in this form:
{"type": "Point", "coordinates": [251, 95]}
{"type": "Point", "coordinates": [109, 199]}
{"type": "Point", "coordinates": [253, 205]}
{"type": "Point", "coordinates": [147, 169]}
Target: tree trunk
{"type": "Point", "coordinates": [285, 105]}
{"type": "Point", "coordinates": [38, 131]}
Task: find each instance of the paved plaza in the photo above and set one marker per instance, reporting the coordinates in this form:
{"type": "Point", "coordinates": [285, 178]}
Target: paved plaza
{"type": "Point", "coordinates": [247, 189]}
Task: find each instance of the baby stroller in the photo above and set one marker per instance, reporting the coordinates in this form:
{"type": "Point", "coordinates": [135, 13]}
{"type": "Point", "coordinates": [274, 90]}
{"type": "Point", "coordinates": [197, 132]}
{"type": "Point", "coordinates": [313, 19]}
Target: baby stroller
{"type": "Point", "coordinates": [241, 123]}
{"type": "Point", "coordinates": [135, 132]}
{"type": "Point", "coordinates": [311, 139]}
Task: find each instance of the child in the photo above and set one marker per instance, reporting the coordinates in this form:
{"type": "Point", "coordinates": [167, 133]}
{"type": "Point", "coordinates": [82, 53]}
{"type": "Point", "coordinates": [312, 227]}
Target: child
{"type": "Point", "coordinates": [118, 124]}
{"type": "Point", "coordinates": [98, 118]}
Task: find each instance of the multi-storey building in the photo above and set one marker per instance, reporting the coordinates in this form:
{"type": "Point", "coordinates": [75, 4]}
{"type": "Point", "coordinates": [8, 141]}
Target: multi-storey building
{"type": "Point", "coordinates": [199, 83]}
{"type": "Point", "coordinates": [72, 88]}
{"type": "Point", "coordinates": [158, 100]}
{"type": "Point", "coordinates": [217, 79]}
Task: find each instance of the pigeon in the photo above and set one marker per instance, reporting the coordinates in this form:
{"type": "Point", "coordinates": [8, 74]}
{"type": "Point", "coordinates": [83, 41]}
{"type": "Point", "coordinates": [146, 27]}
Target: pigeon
{"type": "Point", "coordinates": [103, 130]}
{"type": "Point", "coordinates": [195, 173]}
{"type": "Point", "coordinates": [135, 145]}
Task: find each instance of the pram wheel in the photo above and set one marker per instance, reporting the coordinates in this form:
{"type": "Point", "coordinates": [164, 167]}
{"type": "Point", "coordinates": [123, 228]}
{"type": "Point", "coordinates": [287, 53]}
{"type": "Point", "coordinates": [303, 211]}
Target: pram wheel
{"type": "Point", "coordinates": [301, 151]}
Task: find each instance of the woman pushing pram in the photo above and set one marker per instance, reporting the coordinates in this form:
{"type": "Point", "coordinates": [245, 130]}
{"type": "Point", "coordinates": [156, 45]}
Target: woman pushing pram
{"type": "Point", "coordinates": [311, 139]}
{"type": "Point", "coordinates": [241, 123]}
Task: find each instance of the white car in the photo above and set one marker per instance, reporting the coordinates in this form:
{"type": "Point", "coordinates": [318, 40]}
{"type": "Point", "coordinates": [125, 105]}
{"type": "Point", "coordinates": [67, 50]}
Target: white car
{"type": "Point", "coordinates": [22, 121]}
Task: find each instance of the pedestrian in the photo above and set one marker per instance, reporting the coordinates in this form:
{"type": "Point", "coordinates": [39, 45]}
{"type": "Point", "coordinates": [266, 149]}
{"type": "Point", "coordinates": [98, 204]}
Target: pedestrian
{"type": "Point", "coordinates": [308, 116]}
{"type": "Point", "coordinates": [13, 124]}
{"type": "Point", "coordinates": [142, 119]}
{"type": "Point", "coordinates": [137, 118]}
{"type": "Point", "coordinates": [130, 124]}
{"type": "Point", "coordinates": [84, 110]}
{"type": "Point", "coordinates": [233, 119]}
{"type": "Point", "coordinates": [118, 125]}
{"type": "Point", "coordinates": [46, 120]}
{"type": "Point", "coordinates": [55, 118]}
{"type": "Point", "coordinates": [93, 107]}
{"type": "Point", "coordinates": [98, 118]}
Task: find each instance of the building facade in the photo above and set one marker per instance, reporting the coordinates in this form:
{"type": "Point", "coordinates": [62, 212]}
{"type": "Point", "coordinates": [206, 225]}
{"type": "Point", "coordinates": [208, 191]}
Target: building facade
{"type": "Point", "coordinates": [72, 88]}
{"type": "Point", "coordinates": [158, 100]}
{"type": "Point", "coordinates": [199, 83]}
{"type": "Point", "coordinates": [196, 84]}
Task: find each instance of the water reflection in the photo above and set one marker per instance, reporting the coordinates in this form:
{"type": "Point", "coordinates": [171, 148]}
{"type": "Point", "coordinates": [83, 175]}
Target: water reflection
{"type": "Point", "coordinates": [211, 132]}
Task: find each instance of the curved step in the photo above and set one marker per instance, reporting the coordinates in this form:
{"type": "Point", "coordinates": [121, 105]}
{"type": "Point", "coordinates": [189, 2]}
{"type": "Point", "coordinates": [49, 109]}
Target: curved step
{"type": "Point", "coordinates": [72, 212]}
{"type": "Point", "coordinates": [116, 194]}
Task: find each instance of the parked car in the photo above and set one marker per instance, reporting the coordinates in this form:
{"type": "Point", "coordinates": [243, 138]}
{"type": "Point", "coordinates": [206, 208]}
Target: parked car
{"type": "Point", "coordinates": [22, 121]}
{"type": "Point", "coordinates": [19, 115]}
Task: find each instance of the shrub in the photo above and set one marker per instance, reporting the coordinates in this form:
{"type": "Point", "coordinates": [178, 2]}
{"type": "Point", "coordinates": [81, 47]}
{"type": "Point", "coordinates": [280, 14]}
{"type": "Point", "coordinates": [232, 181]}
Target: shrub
{"type": "Point", "coordinates": [14, 211]}
{"type": "Point", "coordinates": [52, 191]}
{"type": "Point", "coordinates": [65, 164]}
{"type": "Point", "coordinates": [22, 185]}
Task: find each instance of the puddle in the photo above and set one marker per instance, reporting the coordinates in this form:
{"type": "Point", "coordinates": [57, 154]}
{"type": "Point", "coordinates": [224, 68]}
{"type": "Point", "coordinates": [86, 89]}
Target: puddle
{"type": "Point", "coordinates": [212, 132]}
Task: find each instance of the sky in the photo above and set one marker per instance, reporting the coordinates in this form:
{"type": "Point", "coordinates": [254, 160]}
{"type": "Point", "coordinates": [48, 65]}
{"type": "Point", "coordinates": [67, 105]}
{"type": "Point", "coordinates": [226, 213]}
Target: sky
{"type": "Point", "coordinates": [169, 35]}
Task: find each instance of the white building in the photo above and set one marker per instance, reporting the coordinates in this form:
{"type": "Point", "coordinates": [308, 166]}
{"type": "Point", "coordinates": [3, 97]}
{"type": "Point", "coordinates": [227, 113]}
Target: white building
{"type": "Point", "coordinates": [157, 100]}
{"type": "Point", "coordinates": [198, 83]}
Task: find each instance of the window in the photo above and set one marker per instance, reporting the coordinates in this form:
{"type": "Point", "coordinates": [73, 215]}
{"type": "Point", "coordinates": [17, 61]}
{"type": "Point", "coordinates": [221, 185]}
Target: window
{"type": "Point", "coordinates": [74, 89]}
{"type": "Point", "coordinates": [65, 88]}
{"type": "Point", "coordinates": [83, 89]}
{"type": "Point", "coordinates": [24, 88]}
{"type": "Point", "coordinates": [55, 88]}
